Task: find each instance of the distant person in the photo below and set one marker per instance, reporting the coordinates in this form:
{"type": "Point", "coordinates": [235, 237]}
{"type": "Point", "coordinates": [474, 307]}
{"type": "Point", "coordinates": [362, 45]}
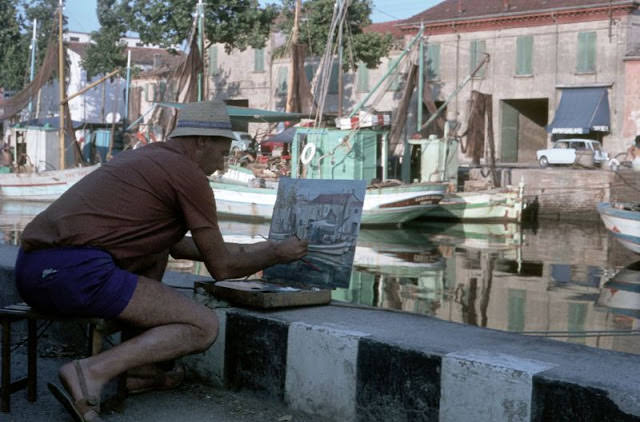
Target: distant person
{"type": "Point", "coordinates": [101, 250]}
{"type": "Point", "coordinates": [5, 156]}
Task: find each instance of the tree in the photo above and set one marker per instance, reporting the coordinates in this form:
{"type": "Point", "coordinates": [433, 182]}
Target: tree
{"type": "Point", "coordinates": [106, 53]}
{"type": "Point", "coordinates": [45, 11]}
{"type": "Point", "coordinates": [14, 51]}
{"type": "Point", "coordinates": [368, 48]}
{"type": "Point", "coordinates": [237, 24]}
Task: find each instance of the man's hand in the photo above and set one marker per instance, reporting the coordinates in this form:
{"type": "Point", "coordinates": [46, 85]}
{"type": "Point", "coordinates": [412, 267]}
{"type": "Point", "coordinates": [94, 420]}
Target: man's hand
{"type": "Point", "coordinates": [291, 249]}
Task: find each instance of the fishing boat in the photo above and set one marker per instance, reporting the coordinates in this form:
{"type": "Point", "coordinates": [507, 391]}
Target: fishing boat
{"type": "Point", "coordinates": [43, 186]}
{"type": "Point", "coordinates": [382, 205]}
{"type": "Point", "coordinates": [499, 204]}
{"type": "Point", "coordinates": [622, 220]}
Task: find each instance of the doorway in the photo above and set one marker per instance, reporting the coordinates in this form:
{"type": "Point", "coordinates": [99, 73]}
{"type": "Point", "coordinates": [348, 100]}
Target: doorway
{"type": "Point", "coordinates": [523, 129]}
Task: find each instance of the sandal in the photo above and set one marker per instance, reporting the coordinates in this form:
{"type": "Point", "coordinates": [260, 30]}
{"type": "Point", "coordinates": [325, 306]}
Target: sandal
{"type": "Point", "coordinates": [86, 409]}
{"type": "Point", "coordinates": [157, 380]}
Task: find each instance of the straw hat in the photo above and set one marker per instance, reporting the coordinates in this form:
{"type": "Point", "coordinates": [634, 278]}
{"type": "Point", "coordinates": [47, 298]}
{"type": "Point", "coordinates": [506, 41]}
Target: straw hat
{"type": "Point", "coordinates": [206, 118]}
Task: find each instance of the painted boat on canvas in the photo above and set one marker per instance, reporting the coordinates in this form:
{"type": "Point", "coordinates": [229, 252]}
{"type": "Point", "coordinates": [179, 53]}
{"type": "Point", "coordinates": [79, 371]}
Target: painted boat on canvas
{"type": "Point", "coordinates": [622, 220]}
{"type": "Point", "coordinates": [43, 186]}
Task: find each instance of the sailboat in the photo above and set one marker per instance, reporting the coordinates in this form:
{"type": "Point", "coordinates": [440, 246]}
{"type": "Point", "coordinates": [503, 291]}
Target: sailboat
{"type": "Point", "coordinates": [332, 154]}
{"type": "Point", "coordinates": [50, 184]}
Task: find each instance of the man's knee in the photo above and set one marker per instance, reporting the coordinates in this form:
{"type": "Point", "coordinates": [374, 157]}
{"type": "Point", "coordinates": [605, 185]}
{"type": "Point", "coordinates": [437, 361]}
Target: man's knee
{"type": "Point", "coordinates": [209, 327]}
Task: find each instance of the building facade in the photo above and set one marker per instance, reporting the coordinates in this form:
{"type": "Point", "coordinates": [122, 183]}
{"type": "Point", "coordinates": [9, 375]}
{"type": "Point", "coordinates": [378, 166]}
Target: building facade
{"type": "Point", "coordinates": [569, 69]}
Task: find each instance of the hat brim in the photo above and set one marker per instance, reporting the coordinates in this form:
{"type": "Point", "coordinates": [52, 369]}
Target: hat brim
{"type": "Point", "coordinates": [188, 131]}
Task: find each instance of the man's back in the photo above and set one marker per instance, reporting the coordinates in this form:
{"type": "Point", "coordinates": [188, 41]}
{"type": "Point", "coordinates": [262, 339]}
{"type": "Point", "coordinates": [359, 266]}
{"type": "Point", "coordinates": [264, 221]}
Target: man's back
{"type": "Point", "coordinates": [139, 203]}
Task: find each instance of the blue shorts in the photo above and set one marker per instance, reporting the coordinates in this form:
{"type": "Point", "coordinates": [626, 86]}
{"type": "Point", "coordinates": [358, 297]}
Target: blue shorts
{"type": "Point", "coordinates": [78, 281]}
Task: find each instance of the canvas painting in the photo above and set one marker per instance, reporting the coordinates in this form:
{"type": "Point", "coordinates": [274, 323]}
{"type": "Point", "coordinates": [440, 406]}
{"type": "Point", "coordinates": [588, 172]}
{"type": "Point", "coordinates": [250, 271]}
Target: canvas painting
{"type": "Point", "coordinates": [327, 213]}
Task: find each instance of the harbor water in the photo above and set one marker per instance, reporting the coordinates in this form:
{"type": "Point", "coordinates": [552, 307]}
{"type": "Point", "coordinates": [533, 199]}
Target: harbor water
{"type": "Point", "coordinates": [569, 282]}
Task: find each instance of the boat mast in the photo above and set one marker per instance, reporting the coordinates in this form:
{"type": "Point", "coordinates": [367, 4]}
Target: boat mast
{"type": "Point", "coordinates": [126, 91]}
{"type": "Point", "coordinates": [200, 23]}
{"type": "Point", "coordinates": [292, 90]}
{"type": "Point", "coordinates": [61, 83]}
{"type": "Point", "coordinates": [421, 77]}
{"type": "Point", "coordinates": [33, 62]}
{"type": "Point", "coordinates": [340, 71]}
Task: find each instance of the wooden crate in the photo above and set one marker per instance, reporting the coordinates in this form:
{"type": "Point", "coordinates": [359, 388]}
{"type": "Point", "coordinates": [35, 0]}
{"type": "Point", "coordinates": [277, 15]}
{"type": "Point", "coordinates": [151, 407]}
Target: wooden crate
{"type": "Point", "coordinates": [262, 295]}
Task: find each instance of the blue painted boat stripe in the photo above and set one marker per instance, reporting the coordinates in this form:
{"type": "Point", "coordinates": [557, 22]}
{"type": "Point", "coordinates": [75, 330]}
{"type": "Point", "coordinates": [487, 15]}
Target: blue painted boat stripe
{"type": "Point", "coordinates": [607, 209]}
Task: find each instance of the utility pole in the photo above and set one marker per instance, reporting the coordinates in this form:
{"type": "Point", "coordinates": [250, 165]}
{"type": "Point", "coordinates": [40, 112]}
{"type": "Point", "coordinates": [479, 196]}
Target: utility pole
{"type": "Point", "coordinates": [61, 84]}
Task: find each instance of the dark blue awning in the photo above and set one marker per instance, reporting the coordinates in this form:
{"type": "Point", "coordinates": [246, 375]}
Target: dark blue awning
{"type": "Point", "coordinates": [581, 111]}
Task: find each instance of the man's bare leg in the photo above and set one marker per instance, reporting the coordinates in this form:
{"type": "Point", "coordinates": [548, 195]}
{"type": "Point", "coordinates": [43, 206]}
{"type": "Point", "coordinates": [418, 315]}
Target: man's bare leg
{"type": "Point", "coordinates": [176, 326]}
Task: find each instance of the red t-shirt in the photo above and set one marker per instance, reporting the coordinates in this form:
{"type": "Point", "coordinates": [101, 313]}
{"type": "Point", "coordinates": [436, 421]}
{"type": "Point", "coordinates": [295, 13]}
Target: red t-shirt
{"type": "Point", "coordinates": [140, 203]}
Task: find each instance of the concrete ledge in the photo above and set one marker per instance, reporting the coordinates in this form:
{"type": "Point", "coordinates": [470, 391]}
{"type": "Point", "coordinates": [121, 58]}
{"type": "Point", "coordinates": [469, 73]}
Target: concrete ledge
{"type": "Point", "coordinates": [351, 363]}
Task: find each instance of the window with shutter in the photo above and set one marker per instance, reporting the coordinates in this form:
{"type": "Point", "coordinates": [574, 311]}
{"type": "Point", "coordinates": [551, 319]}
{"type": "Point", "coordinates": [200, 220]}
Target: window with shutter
{"type": "Point", "coordinates": [478, 48]}
{"type": "Point", "coordinates": [433, 62]}
{"type": "Point", "coordinates": [213, 60]}
{"type": "Point", "coordinates": [363, 78]}
{"type": "Point", "coordinates": [310, 71]}
{"type": "Point", "coordinates": [149, 92]}
{"type": "Point", "coordinates": [524, 55]}
{"type": "Point", "coordinates": [281, 84]}
{"type": "Point", "coordinates": [586, 60]}
{"type": "Point", "coordinates": [258, 60]}
{"type": "Point", "coordinates": [333, 82]}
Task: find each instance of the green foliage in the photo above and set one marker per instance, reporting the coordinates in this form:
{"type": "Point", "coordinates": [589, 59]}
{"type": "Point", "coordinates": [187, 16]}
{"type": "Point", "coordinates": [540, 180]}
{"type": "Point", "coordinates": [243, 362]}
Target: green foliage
{"type": "Point", "coordinates": [45, 11]}
{"type": "Point", "coordinates": [14, 54]}
{"type": "Point", "coordinates": [315, 23]}
{"type": "Point", "coordinates": [107, 52]}
{"type": "Point", "coordinates": [236, 23]}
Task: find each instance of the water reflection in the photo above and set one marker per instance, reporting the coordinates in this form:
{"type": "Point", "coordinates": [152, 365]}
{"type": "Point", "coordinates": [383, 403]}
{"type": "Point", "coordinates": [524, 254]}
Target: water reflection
{"type": "Point", "coordinates": [569, 282]}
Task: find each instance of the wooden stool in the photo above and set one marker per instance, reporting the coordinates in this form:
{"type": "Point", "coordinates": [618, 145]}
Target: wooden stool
{"type": "Point", "coordinates": [8, 315]}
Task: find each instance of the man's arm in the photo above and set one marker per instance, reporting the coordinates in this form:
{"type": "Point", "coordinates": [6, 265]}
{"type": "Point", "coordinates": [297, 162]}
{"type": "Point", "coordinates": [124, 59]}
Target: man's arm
{"type": "Point", "coordinates": [230, 260]}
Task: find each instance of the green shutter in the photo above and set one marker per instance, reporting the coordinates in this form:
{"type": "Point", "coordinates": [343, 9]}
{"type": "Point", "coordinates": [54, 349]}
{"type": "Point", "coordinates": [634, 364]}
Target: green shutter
{"type": "Point", "coordinates": [586, 60]}
{"type": "Point", "coordinates": [283, 75]}
{"type": "Point", "coordinates": [160, 92]}
{"type": "Point", "coordinates": [394, 85]}
{"type": "Point", "coordinates": [333, 82]}
{"type": "Point", "coordinates": [149, 92]}
{"type": "Point", "coordinates": [309, 71]}
{"type": "Point", "coordinates": [433, 62]}
{"type": "Point", "coordinates": [213, 60]}
{"type": "Point", "coordinates": [516, 306]}
{"type": "Point", "coordinates": [363, 78]}
{"type": "Point", "coordinates": [524, 55]}
{"type": "Point", "coordinates": [258, 64]}
{"type": "Point", "coordinates": [509, 130]}
{"type": "Point", "coordinates": [478, 48]}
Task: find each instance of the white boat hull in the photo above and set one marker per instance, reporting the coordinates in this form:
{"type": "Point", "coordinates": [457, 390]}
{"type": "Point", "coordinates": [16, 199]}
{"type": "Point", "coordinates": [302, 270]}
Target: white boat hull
{"type": "Point", "coordinates": [494, 205]}
{"type": "Point", "coordinates": [623, 224]}
{"type": "Point", "coordinates": [381, 206]}
{"type": "Point", "coordinates": [43, 186]}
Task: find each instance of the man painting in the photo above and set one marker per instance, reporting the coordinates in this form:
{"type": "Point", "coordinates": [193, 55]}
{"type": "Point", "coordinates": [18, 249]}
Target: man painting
{"type": "Point", "coordinates": [102, 247]}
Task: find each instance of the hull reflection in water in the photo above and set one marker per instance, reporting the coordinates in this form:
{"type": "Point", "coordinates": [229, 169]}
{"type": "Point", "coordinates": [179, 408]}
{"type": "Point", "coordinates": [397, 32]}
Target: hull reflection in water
{"type": "Point", "coordinates": [621, 293]}
{"type": "Point", "coordinates": [547, 282]}
{"type": "Point", "coordinates": [414, 269]}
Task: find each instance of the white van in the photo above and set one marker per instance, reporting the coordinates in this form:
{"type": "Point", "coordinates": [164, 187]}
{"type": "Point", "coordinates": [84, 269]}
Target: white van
{"type": "Point", "coordinates": [563, 151]}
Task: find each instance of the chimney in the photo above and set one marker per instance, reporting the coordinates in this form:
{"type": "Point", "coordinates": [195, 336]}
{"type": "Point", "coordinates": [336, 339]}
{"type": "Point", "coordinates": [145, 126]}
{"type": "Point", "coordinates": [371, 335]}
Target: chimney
{"type": "Point", "coordinates": [460, 7]}
{"type": "Point", "coordinates": [506, 4]}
